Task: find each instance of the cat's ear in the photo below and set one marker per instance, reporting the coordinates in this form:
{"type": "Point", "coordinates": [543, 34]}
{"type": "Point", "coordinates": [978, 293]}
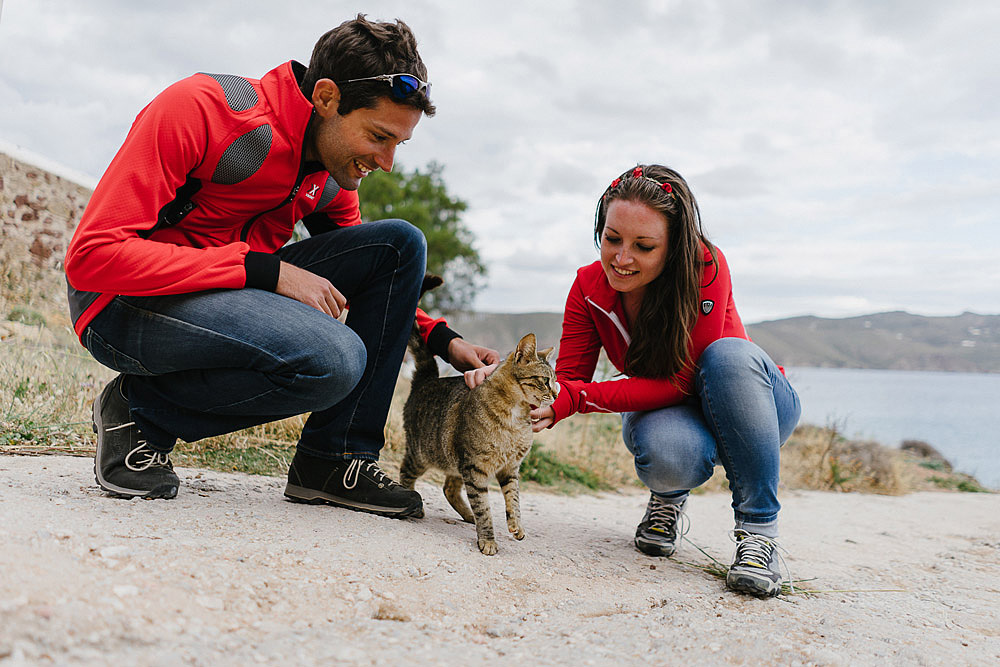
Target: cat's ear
{"type": "Point", "coordinates": [525, 349]}
{"type": "Point", "coordinates": [543, 354]}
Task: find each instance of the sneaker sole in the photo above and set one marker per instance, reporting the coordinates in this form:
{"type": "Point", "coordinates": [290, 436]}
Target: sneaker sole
{"type": "Point", "coordinates": [299, 494]}
{"type": "Point", "coordinates": [164, 491]}
{"type": "Point", "coordinates": [747, 583]}
{"type": "Point", "coordinates": [651, 549]}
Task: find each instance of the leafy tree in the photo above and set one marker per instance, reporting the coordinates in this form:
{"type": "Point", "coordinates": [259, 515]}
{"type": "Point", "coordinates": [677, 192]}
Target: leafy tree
{"type": "Point", "coordinates": [421, 198]}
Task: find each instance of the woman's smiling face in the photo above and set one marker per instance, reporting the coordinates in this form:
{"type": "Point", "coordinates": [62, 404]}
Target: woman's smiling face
{"type": "Point", "coordinates": [633, 246]}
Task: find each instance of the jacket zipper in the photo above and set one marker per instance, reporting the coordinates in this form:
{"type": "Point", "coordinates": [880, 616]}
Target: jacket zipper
{"type": "Point", "coordinates": [614, 320]}
{"type": "Point", "coordinates": [245, 232]}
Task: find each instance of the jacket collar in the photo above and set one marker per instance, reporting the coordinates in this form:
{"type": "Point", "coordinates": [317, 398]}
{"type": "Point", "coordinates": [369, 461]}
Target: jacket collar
{"type": "Point", "coordinates": [289, 105]}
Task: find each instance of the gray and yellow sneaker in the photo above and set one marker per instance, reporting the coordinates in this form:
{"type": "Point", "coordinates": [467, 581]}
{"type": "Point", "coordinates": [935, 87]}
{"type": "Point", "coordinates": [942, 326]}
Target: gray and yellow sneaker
{"type": "Point", "coordinates": [125, 465]}
{"type": "Point", "coordinates": [755, 567]}
{"type": "Point", "coordinates": [660, 529]}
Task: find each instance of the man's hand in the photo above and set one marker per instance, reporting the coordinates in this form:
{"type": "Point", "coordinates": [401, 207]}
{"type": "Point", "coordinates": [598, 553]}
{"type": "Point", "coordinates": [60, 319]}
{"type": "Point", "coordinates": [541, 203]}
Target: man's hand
{"type": "Point", "coordinates": [465, 356]}
{"type": "Point", "coordinates": [310, 289]}
{"type": "Point", "coordinates": [542, 418]}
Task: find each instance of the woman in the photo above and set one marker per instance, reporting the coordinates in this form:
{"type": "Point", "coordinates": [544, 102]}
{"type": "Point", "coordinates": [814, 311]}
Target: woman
{"type": "Point", "coordinates": [697, 391]}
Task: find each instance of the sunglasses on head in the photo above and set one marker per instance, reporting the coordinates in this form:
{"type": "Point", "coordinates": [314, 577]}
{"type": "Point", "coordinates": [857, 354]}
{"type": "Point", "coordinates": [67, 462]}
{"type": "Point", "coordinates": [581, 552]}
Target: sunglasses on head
{"type": "Point", "coordinates": [403, 85]}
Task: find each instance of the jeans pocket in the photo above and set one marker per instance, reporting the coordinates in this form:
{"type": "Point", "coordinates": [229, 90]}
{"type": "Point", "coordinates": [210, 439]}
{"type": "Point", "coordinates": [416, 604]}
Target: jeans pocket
{"type": "Point", "coordinates": [108, 356]}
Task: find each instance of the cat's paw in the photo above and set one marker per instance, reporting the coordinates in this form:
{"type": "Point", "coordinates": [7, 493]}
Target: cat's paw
{"type": "Point", "coordinates": [488, 547]}
{"type": "Point", "coordinates": [515, 530]}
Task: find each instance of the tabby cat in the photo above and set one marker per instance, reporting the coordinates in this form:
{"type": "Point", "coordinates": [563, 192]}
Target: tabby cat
{"type": "Point", "coordinates": [472, 434]}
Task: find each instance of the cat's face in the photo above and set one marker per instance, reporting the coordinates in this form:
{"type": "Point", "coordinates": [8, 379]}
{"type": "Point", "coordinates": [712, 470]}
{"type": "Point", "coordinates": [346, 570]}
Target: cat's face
{"type": "Point", "coordinates": [533, 372]}
{"type": "Point", "coordinates": [538, 382]}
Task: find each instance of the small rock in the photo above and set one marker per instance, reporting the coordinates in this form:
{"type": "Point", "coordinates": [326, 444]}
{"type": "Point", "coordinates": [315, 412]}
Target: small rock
{"type": "Point", "coordinates": [346, 654]}
{"type": "Point", "coordinates": [211, 603]}
{"type": "Point", "coordinates": [116, 551]}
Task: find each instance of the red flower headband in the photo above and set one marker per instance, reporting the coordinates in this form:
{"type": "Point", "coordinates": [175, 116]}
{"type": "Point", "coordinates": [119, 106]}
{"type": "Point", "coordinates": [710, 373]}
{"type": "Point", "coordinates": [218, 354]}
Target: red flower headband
{"type": "Point", "coordinates": [637, 173]}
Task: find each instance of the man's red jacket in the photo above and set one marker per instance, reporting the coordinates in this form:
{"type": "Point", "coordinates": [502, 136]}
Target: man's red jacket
{"type": "Point", "coordinates": [594, 318]}
{"type": "Point", "coordinates": [207, 186]}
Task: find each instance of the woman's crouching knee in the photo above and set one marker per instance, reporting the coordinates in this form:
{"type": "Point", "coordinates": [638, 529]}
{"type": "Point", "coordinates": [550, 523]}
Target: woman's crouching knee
{"type": "Point", "coordinates": [672, 470]}
{"type": "Point", "coordinates": [730, 353]}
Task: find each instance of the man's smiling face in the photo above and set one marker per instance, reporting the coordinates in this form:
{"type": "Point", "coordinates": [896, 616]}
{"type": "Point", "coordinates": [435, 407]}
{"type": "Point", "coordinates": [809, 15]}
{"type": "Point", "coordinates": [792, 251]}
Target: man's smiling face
{"type": "Point", "coordinates": [352, 146]}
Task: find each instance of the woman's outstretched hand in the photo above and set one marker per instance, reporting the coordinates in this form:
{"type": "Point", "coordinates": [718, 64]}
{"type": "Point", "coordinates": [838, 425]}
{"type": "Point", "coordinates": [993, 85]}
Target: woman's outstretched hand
{"type": "Point", "coordinates": [542, 418]}
{"type": "Point", "coordinates": [477, 376]}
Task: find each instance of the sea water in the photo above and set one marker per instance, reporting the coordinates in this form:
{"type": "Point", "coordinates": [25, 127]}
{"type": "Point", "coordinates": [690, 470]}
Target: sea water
{"type": "Point", "coordinates": [957, 413]}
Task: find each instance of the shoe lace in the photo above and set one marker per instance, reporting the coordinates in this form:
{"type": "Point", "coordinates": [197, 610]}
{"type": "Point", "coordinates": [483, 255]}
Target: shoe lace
{"type": "Point", "coordinates": [667, 517]}
{"type": "Point", "coordinates": [753, 550]}
{"type": "Point", "coordinates": [142, 456]}
{"type": "Point", "coordinates": [353, 473]}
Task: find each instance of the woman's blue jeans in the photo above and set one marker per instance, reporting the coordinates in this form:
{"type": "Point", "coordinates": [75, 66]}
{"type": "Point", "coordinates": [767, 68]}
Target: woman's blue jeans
{"type": "Point", "coordinates": [743, 411]}
{"type": "Point", "coordinates": [207, 363]}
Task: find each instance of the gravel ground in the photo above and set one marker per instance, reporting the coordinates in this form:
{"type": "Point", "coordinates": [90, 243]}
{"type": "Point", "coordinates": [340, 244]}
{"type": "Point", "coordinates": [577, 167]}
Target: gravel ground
{"type": "Point", "coordinates": [230, 573]}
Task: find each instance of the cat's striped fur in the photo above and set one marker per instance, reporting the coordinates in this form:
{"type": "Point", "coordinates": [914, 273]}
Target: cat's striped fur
{"type": "Point", "coordinates": [472, 435]}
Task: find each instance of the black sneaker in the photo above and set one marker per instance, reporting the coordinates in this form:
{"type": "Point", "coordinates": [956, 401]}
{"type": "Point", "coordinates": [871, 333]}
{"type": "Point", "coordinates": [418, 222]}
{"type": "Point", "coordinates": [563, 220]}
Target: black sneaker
{"type": "Point", "coordinates": [356, 485]}
{"type": "Point", "coordinates": [125, 465]}
{"type": "Point", "coordinates": [657, 535]}
{"type": "Point", "coordinates": [755, 567]}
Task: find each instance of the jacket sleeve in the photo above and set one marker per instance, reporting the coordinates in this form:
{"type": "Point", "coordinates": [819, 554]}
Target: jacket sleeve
{"type": "Point", "coordinates": [436, 333]}
{"type": "Point", "coordinates": [733, 326]}
{"type": "Point", "coordinates": [625, 395]}
{"type": "Point", "coordinates": [580, 343]}
{"type": "Point", "coordinates": [579, 349]}
{"type": "Point", "coordinates": [108, 252]}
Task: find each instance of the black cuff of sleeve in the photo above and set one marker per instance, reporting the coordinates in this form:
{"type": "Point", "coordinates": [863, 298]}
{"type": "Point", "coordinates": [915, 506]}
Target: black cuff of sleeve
{"type": "Point", "coordinates": [438, 341]}
{"type": "Point", "coordinates": [262, 270]}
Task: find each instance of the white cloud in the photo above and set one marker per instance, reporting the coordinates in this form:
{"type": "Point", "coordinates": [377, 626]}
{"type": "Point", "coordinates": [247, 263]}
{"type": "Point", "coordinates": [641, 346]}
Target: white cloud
{"type": "Point", "coordinates": [844, 154]}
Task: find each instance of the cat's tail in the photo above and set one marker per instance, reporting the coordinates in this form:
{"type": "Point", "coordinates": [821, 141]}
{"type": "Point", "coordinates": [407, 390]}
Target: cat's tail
{"type": "Point", "coordinates": [426, 366]}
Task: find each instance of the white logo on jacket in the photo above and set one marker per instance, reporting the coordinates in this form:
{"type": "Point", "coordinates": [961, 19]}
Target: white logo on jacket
{"type": "Point", "coordinates": [313, 190]}
{"type": "Point", "coordinates": [707, 305]}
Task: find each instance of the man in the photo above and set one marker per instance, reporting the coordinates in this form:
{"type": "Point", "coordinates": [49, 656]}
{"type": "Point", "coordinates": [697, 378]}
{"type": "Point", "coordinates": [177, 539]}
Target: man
{"type": "Point", "coordinates": [180, 279]}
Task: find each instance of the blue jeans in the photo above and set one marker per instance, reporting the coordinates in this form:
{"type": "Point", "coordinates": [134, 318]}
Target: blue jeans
{"type": "Point", "coordinates": [743, 411]}
{"type": "Point", "coordinates": [213, 362]}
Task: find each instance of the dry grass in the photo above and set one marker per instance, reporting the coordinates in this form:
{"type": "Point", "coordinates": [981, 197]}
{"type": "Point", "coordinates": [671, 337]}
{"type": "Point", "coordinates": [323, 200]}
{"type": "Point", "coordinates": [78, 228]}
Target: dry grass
{"type": "Point", "coordinates": [820, 458]}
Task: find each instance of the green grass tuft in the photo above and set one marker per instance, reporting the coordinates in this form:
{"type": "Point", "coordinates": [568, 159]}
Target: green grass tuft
{"type": "Point", "coordinates": [964, 484]}
{"type": "Point", "coordinates": [26, 315]}
{"type": "Point", "coordinates": [544, 468]}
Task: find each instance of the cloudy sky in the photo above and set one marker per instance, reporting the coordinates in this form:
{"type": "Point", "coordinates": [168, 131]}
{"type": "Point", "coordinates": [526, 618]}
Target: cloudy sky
{"type": "Point", "coordinates": [845, 154]}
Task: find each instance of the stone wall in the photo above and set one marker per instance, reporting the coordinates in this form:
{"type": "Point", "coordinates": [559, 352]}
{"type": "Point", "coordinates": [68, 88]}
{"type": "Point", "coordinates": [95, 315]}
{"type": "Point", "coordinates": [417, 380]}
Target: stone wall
{"type": "Point", "coordinates": [38, 213]}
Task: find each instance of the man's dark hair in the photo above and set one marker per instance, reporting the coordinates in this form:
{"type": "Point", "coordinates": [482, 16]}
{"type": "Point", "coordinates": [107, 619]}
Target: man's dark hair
{"type": "Point", "coordinates": [360, 48]}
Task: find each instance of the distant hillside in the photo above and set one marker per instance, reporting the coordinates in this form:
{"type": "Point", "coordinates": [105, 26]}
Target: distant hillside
{"type": "Point", "coordinates": [896, 341]}
{"type": "Point", "coordinates": [501, 331]}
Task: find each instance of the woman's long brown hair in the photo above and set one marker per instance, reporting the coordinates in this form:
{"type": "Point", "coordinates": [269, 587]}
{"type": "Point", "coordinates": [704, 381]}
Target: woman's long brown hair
{"type": "Point", "coordinates": [661, 334]}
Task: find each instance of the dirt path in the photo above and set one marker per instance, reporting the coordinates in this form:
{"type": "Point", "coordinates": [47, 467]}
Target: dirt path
{"type": "Point", "coordinates": [230, 573]}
